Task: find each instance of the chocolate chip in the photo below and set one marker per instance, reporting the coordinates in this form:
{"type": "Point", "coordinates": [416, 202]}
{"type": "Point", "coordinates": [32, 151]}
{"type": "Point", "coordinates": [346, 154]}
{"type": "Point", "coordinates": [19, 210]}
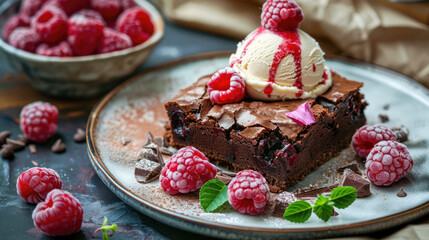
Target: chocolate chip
{"type": "Point", "coordinates": [361, 185]}
{"type": "Point", "coordinates": [79, 136]}
{"type": "Point", "coordinates": [58, 147]}
{"type": "Point", "coordinates": [17, 145]}
{"type": "Point", "coordinates": [352, 166]}
{"type": "Point", "coordinates": [6, 152]}
{"type": "Point", "coordinates": [147, 171]}
{"type": "Point", "coordinates": [125, 141]}
{"type": "Point", "coordinates": [3, 136]}
{"type": "Point", "coordinates": [401, 193]}
{"type": "Point", "coordinates": [383, 118]}
{"type": "Point", "coordinates": [401, 133]}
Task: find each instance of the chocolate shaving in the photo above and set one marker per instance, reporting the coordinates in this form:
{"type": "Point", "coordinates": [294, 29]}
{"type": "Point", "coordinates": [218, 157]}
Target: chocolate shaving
{"type": "Point", "coordinates": [225, 177]}
{"type": "Point", "coordinates": [383, 118]}
{"type": "Point", "coordinates": [401, 193]}
{"type": "Point", "coordinates": [23, 138]}
{"type": "Point", "coordinates": [125, 141]}
{"type": "Point", "coordinates": [148, 167]}
{"type": "Point", "coordinates": [283, 200]}
{"type": "Point", "coordinates": [17, 145]}
{"type": "Point", "coordinates": [79, 136]}
{"type": "Point", "coordinates": [7, 152]}
{"type": "Point", "coordinates": [386, 107]}
{"type": "Point", "coordinates": [401, 133]}
{"type": "Point", "coordinates": [58, 147]}
{"type": "Point", "coordinates": [160, 142]}
{"type": "Point", "coordinates": [312, 192]}
{"type": "Point", "coordinates": [335, 213]}
{"type": "Point", "coordinates": [3, 136]}
{"type": "Point", "coordinates": [361, 185]}
{"type": "Point", "coordinates": [352, 166]}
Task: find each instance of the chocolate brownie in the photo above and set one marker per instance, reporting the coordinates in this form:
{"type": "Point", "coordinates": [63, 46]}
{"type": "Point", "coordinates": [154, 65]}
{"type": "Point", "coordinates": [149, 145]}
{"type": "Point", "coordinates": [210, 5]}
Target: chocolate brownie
{"type": "Point", "coordinates": [258, 135]}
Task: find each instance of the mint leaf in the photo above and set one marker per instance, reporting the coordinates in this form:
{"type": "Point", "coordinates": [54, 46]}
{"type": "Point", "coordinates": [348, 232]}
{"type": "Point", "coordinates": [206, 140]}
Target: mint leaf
{"type": "Point", "coordinates": [343, 196]}
{"type": "Point", "coordinates": [213, 195]}
{"type": "Point", "coordinates": [323, 208]}
{"type": "Point", "coordinates": [298, 212]}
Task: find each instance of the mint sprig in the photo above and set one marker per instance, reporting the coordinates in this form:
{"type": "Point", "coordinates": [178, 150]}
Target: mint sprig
{"type": "Point", "coordinates": [108, 230]}
{"type": "Point", "coordinates": [300, 211]}
{"type": "Point", "coordinates": [213, 195]}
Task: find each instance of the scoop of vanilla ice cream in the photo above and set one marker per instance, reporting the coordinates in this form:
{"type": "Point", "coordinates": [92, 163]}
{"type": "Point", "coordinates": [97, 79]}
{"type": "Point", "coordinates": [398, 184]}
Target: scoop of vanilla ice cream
{"type": "Point", "coordinates": [254, 58]}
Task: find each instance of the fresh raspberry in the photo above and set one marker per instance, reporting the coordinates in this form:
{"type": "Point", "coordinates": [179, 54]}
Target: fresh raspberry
{"type": "Point", "coordinates": [30, 7]}
{"type": "Point", "coordinates": [186, 171]}
{"type": "Point", "coordinates": [281, 15]}
{"type": "Point", "coordinates": [128, 4]}
{"type": "Point", "coordinates": [51, 24]}
{"type": "Point", "coordinates": [84, 34]}
{"type": "Point", "coordinates": [72, 6]}
{"type": "Point", "coordinates": [60, 214]}
{"type": "Point", "coordinates": [19, 20]}
{"type": "Point", "coordinates": [114, 41]}
{"type": "Point", "coordinates": [367, 136]}
{"type": "Point", "coordinates": [61, 50]}
{"type": "Point", "coordinates": [34, 184]}
{"type": "Point", "coordinates": [91, 14]}
{"type": "Point", "coordinates": [25, 38]}
{"type": "Point", "coordinates": [109, 9]}
{"type": "Point", "coordinates": [248, 192]}
{"type": "Point", "coordinates": [136, 23]}
{"type": "Point", "coordinates": [388, 162]}
{"type": "Point", "coordinates": [226, 86]}
{"type": "Point", "coordinates": [39, 121]}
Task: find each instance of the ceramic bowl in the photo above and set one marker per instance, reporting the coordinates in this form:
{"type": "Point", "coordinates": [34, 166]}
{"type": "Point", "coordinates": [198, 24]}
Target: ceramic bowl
{"type": "Point", "coordinates": [79, 77]}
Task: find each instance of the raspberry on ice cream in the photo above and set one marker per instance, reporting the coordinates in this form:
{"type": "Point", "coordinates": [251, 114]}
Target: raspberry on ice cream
{"type": "Point", "coordinates": [39, 121]}
{"type": "Point", "coordinates": [367, 136]}
{"type": "Point", "coordinates": [34, 184]}
{"type": "Point", "coordinates": [248, 192]}
{"type": "Point", "coordinates": [281, 15]}
{"type": "Point", "coordinates": [226, 86]}
{"type": "Point", "coordinates": [186, 171]}
{"type": "Point", "coordinates": [388, 162]}
{"type": "Point", "coordinates": [60, 214]}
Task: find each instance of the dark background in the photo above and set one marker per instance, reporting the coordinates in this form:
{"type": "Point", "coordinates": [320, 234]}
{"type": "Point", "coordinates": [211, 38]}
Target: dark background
{"type": "Point", "coordinates": [74, 166]}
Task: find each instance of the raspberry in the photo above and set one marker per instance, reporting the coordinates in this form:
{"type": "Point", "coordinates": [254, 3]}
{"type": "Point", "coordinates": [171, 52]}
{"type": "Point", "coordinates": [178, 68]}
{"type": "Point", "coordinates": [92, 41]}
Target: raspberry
{"type": "Point", "coordinates": [51, 24]}
{"type": "Point", "coordinates": [186, 171]}
{"type": "Point", "coordinates": [61, 50]}
{"type": "Point", "coordinates": [226, 86]}
{"type": "Point", "coordinates": [34, 184]}
{"type": "Point", "coordinates": [39, 121]}
{"type": "Point", "coordinates": [248, 192]}
{"type": "Point", "coordinates": [114, 41]}
{"type": "Point", "coordinates": [128, 4]}
{"type": "Point", "coordinates": [72, 6]}
{"type": "Point", "coordinates": [109, 9]}
{"type": "Point", "coordinates": [367, 136]}
{"type": "Point", "coordinates": [25, 38]}
{"type": "Point", "coordinates": [388, 162]}
{"type": "Point", "coordinates": [19, 20]}
{"type": "Point", "coordinates": [91, 14]}
{"type": "Point", "coordinates": [60, 214]}
{"type": "Point", "coordinates": [281, 15]}
{"type": "Point", "coordinates": [136, 23]}
{"type": "Point", "coordinates": [30, 7]}
{"type": "Point", "coordinates": [84, 34]}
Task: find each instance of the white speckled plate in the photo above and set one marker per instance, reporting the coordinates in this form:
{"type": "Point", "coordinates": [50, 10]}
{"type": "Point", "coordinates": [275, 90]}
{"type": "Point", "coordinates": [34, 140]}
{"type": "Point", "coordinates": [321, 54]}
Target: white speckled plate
{"type": "Point", "coordinates": [136, 107]}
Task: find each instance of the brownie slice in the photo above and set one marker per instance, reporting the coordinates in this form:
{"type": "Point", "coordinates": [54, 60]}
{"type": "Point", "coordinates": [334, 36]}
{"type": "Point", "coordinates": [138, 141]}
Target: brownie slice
{"type": "Point", "coordinates": [258, 135]}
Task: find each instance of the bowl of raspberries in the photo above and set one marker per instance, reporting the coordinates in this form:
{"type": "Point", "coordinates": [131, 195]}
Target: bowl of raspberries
{"type": "Point", "coordinates": [78, 48]}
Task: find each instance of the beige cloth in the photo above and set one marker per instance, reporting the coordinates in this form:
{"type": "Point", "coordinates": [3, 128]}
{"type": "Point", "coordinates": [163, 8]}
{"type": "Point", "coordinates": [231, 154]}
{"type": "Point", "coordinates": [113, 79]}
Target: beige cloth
{"type": "Point", "coordinates": [393, 35]}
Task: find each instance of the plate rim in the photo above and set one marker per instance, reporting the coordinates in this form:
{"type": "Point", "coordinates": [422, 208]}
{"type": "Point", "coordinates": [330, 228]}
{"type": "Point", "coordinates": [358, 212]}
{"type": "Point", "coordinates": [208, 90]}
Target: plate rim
{"type": "Point", "coordinates": [97, 162]}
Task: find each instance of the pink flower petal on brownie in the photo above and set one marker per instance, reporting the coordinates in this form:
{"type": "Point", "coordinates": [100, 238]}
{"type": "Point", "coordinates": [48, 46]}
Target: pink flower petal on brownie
{"type": "Point", "coordinates": [302, 115]}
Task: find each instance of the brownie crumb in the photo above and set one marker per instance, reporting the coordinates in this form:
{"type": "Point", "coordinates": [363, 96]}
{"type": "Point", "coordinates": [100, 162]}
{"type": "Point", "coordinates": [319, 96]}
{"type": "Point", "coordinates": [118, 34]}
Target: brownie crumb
{"type": "Point", "coordinates": [125, 141]}
{"type": "Point", "coordinates": [3, 136]}
{"type": "Point", "coordinates": [32, 148]}
{"type": "Point", "coordinates": [79, 136]}
{"type": "Point", "coordinates": [383, 118]}
{"type": "Point", "coordinates": [7, 152]}
{"type": "Point", "coordinates": [386, 107]}
{"type": "Point", "coordinates": [401, 193]}
{"type": "Point", "coordinates": [58, 147]}
{"type": "Point", "coordinates": [401, 133]}
{"type": "Point", "coordinates": [17, 145]}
